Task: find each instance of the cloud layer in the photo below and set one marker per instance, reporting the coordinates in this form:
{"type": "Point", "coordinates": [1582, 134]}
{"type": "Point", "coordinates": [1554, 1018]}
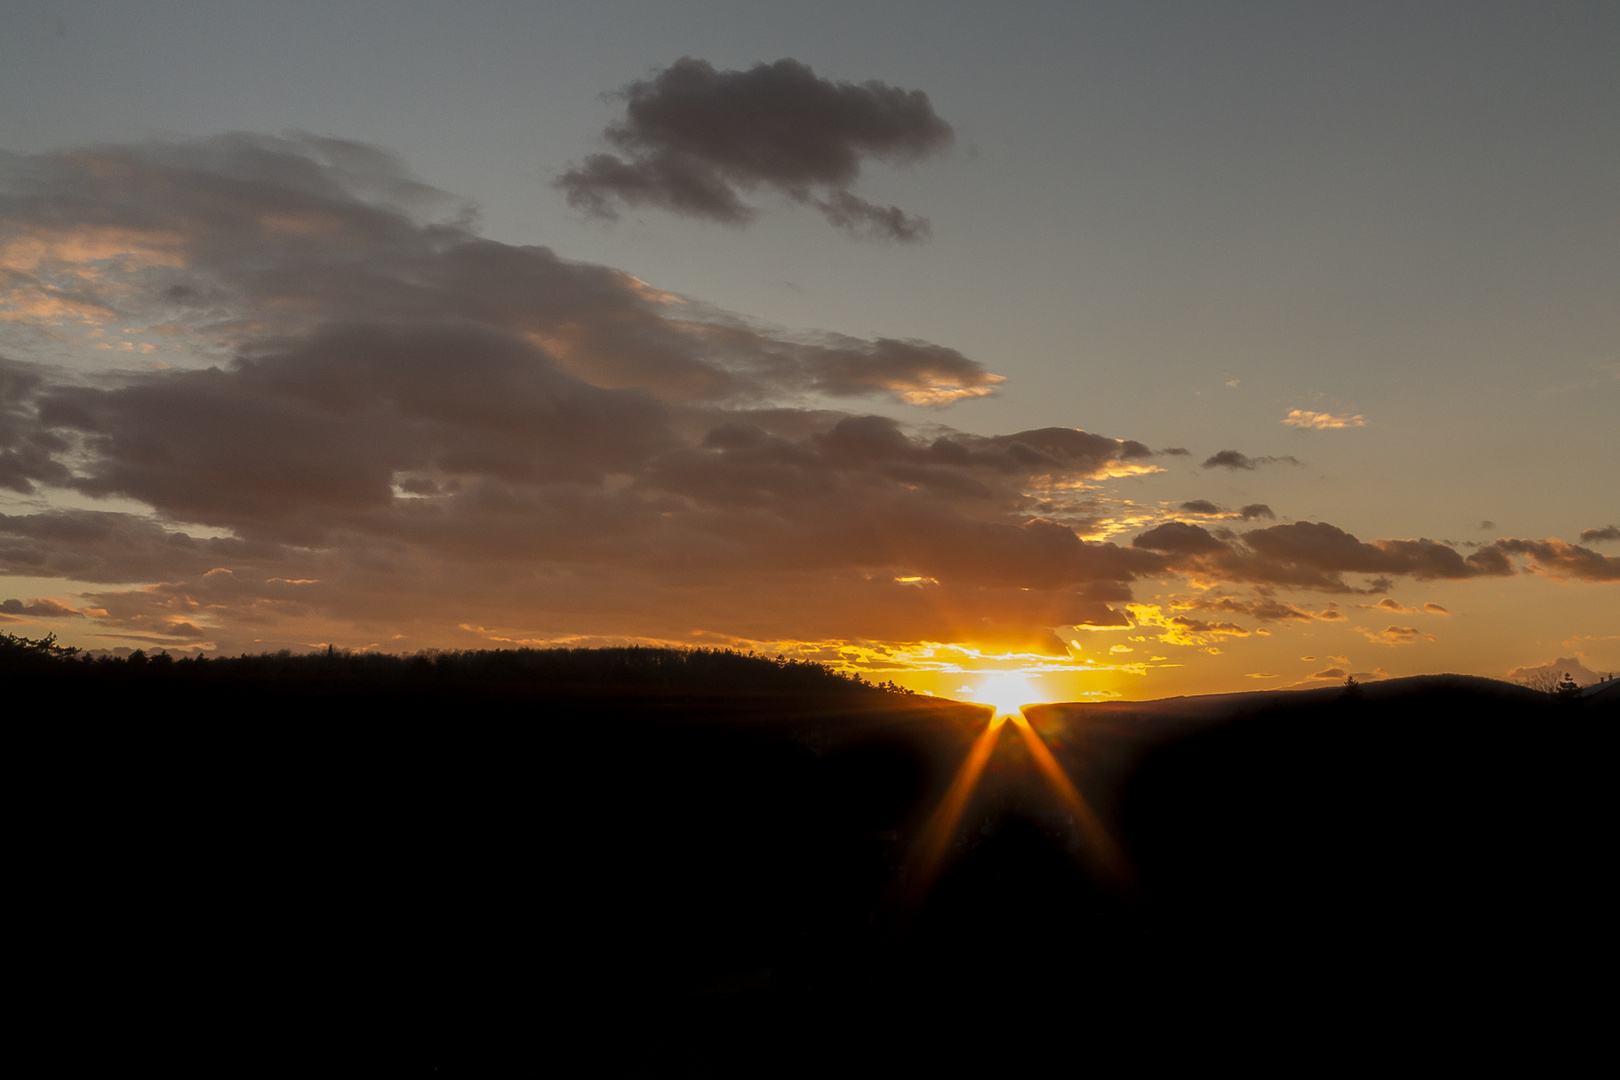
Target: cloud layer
{"type": "Point", "coordinates": [694, 140]}
{"type": "Point", "coordinates": [360, 421]}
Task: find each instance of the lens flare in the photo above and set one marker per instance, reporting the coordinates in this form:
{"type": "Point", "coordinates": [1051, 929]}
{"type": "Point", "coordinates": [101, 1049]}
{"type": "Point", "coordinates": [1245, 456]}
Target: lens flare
{"type": "Point", "coordinates": [1106, 857]}
{"type": "Point", "coordinates": [1007, 692]}
{"type": "Point", "coordinates": [928, 856]}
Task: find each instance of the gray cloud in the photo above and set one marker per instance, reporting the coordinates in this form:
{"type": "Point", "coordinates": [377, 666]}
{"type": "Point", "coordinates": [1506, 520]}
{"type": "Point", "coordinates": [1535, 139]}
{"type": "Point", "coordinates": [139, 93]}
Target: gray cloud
{"type": "Point", "coordinates": [1609, 532]}
{"type": "Point", "coordinates": [1180, 538]}
{"type": "Point", "coordinates": [1317, 555]}
{"type": "Point", "coordinates": [27, 451]}
{"type": "Point", "coordinates": [39, 609]}
{"type": "Point", "coordinates": [241, 243]}
{"type": "Point", "coordinates": [1247, 513]}
{"type": "Point", "coordinates": [290, 443]}
{"type": "Point", "coordinates": [1560, 560]}
{"type": "Point", "coordinates": [694, 139]}
{"type": "Point", "coordinates": [1266, 609]}
{"type": "Point", "coordinates": [1232, 459]}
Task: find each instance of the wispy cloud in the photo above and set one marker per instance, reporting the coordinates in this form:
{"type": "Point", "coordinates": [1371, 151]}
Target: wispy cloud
{"type": "Point", "coordinates": [1395, 635]}
{"type": "Point", "coordinates": [1321, 421]}
{"type": "Point", "coordinates": [1233, 459]}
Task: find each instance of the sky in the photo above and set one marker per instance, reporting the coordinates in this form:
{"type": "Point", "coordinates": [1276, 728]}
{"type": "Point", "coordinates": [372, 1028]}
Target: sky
{"type": "Point", "coordinates": [1143, 349]}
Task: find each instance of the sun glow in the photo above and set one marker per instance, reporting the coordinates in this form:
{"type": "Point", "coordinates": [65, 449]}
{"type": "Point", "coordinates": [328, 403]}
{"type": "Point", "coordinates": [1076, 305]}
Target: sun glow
{"type": "Point", "coordinates": [1007, 691]}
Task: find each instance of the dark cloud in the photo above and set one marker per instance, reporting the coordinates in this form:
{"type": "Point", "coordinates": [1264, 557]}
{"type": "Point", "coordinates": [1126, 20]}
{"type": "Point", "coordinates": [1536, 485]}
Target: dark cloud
{"type": "Point", "coordinates": [27, 451]}
{"type": "Point", "coordinates": [1229, 459]}
{"type": "Point", "coordinates": [695, 139]}
{"type": "Point", "coordinates": [1560, 560]}
{"type": "Point", "coordinates": [1232, 459]}
{"type": "Point", "coordinates": [919, 373]}
{"type": "Point", "coordinates": [1265, 609]}
{"type": "Point", "coordinates": [97, 546]}
{"type": "Point", "coordinates": [1608, 532]}
{"type": "Point", "coordinates": [39, 609]}
{"type": "Point", "coordinates": [287, 443]}
{"type": "Point", "coordinates": [243, 243]}
{"type": "Point", "coordinates": [1178, 537]}
{"type": "Point", "coordinates": [1199, 626]}
{"type": "Point", "coordinates": [1390, 604]}
{"type": "Point", "coordinates": [1318, 546]}
{"type": "Point", "coordinates": [1316, 555]}
{"type": "Point", "coordinates": [1247, 513]}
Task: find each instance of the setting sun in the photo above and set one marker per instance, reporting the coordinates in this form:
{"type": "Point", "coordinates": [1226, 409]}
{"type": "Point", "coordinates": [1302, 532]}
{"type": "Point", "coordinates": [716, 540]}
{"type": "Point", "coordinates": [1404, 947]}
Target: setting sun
{"type": "Point", "coordinates": [1007, 691]}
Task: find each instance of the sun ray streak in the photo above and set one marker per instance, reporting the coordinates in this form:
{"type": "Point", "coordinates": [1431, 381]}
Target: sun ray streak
{"type": "Point", "coordinates": [928, 855]}
{"type": "Point", "coordinates": [1112, 864]}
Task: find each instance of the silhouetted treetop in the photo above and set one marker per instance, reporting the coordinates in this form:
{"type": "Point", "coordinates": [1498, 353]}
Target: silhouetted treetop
{"type": "Point", "coordinates": [632, 668]}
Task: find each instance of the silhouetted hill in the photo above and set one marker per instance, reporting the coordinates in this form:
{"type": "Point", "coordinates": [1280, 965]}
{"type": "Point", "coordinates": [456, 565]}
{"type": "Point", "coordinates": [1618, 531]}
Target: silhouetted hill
{"type": "Point", "coordinates": [1605, 692]}
{"type": "Point", "coordinates": [1449, 829]}
{"type": "Point", "coordinates": [713, 851]}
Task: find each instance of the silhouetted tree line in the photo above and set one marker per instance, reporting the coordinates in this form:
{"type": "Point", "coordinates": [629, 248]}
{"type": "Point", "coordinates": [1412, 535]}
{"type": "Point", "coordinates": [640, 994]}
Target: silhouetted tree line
{"type": "Point", "coordinates": [633, 668]}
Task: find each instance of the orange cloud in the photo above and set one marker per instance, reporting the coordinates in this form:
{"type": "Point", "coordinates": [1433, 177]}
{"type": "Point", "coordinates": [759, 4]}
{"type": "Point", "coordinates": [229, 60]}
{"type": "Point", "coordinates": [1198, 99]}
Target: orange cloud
{"type": "Point", "coordinates": [1562, 561]}
{"type": "Point", "coordinates": [1320, 421]}
{"type": "Point", "coordinates": [1181, 630]}
{"type": "Point", "coordinates": [39, 609]}
{"type": "Point", "coordinates": [1395, 635]}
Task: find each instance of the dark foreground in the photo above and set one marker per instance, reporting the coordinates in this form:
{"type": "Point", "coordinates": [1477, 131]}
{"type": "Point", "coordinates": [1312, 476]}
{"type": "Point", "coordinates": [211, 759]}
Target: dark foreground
{"type": "Point", "coordinates": [449, 872]}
